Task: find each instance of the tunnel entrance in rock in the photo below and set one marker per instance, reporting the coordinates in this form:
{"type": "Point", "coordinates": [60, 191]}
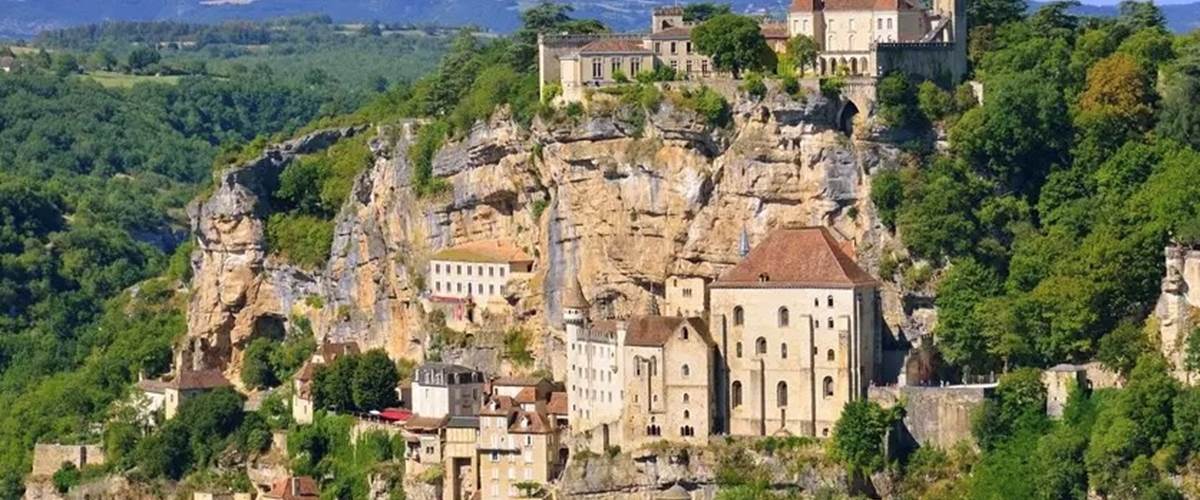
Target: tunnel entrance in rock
{"type": "Point", "coordinates": [268, 327]}
{"type": "Point", "coordinates": [846, 118]}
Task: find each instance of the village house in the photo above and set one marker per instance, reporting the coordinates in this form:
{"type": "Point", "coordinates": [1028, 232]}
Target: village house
{"type": "Point", "coordinates": [474, 276]}
{"type": "Point", "coordinates": [520, 445]}
{"type": "Point", "coordinates": [293, 488]}
{"type": "Point", "coordinates": [441, 390]}
{"type": "Point", "coordinates": [185, 385]}
{"type": "Point", "coordinates": [798, 326]}
{"type": "Point", "coordinates": [303, 404]}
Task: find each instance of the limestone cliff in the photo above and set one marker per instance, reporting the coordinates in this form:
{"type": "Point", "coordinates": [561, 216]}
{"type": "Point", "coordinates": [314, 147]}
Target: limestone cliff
{"type": "Point", "coordinates": [623, 204]}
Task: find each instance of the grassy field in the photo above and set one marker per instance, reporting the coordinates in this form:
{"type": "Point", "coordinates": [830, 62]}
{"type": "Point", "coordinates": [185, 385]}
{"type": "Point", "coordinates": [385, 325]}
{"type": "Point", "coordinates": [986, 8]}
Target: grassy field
{"type": "Point", "coordinates": [121, 80]}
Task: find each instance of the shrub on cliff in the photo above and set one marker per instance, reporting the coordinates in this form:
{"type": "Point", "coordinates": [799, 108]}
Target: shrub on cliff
{"type": "Point", "coordinates": [858, 436]}
{"type": "Point", "coordinates": [375, 380]}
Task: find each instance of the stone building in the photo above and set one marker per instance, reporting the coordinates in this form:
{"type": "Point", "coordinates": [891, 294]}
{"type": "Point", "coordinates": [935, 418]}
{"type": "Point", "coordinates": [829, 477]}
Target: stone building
{"type": "Point", "coordinates": [798, 328]}
{"type": "Point", "coordinates": [1060, 380]}
{"type": "Point", "coordinates": [440, 390]}
{"type": "Point", "coordinates": [293, 488]}
{"type": "Point", "coordinates": [49, 458]}
{"type": "Point", "coordinates": [474, 275]}
{"type": "Point", "coordinates": [667, 377]}
{"type": "Point", "coordinates": [876, 37]}
{"type": "Point", "coordinates": [519, 444]}
{"type": "Point", "coordinates": [594, 355]}
{"type": "Point", "coordinates": [685, 297]}
{"type": "Point", "coordinates": [577, 62]}
{"type": "Point", "coordinates": [189, 384]}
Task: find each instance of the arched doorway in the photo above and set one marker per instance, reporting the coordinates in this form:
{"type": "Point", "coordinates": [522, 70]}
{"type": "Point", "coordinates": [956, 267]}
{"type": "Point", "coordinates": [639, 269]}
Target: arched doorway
{"type": "Point", "coordinates": [846, 118]}
{"type": "Point", "coordinates": [853, 66]}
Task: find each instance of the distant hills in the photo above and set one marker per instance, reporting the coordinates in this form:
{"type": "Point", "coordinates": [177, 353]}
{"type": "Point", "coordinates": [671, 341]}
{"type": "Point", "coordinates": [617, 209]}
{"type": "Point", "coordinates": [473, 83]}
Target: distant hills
{"type": "Point", "coordinates": [24, 18]}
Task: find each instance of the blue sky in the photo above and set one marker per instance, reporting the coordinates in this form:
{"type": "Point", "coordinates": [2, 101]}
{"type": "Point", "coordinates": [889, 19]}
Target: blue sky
{"type": "Point", "coordinates": [1114, 2]}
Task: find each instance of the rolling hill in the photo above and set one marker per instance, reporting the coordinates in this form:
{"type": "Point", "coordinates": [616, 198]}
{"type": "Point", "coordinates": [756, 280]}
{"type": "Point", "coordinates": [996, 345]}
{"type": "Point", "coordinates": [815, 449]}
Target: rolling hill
{"type": "Point", "coordinates": [23, 18]}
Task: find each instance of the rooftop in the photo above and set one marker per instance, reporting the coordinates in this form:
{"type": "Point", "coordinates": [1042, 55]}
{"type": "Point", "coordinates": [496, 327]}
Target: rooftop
{"type": "Point", "coordinates": [862, 5]}
{"type": "Point", "coordinates": [615, 46]}
{"type": "Point", "coordinates": [797, 258]}
{"type": "Point", "coordinates": [655, 331]}
{"type": "Point", "coordinates": [676, 33]}
{"type": "Point", "coordinates": [489, 251]}
{"type": "Point", "coordinates": [294, 487]}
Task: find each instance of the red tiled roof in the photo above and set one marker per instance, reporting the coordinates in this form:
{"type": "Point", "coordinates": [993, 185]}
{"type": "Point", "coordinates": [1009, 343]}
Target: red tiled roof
{"type": "Point", "coordinates": [538, 423]}
{"type": "Point", "coordinates": [196, 380]}
{"type": "Point", "coordinates": [655, 331]}
{"type": "Point", "coordinates": [305, 374]}
{"type": "Point", "coordinates": [678, 33]}
{"type": "Point", "coordinates": [615, 46]}
{"type": "Point", "coordinates": [152, 385]}
{"type": "Point", "coordinates": [775, 31]}
{"type": "Point", "coordinates": [518, 381]}
{"type": "Point", "coordinates": [503, 405]}
{"type": "Point", "coordinates": [294, 488]}
{"type": "Point", "coordinates": [488, 251]}
{"type": "Point", "coordinates": [395, 414]}
{"type": "Point", "coordinates": [808, 257]}
{"type": "Point", "coordinates": [526, 395]}
{"type": "Point", "coordinates": [557, 404]}
{"type": "Point", "coordinates": [424, 424]}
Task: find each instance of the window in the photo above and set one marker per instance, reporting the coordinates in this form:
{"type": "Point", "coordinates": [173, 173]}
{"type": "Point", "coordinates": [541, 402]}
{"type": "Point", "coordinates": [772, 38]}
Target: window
{"type": "Point", "coordinates": [437, 285]}
{"type": "Point", "coordinates": [491, 271]}
{"type": "Point", "coordinates": [687, 292]}
{"type": "Point", "coordinates": [686, 398]}
{"type": "Point", "coordinates": [830, 322]}
{"type": "Point", "coordinates": [491, 289]}
{"type": "Point", "coordinates": [658, 47]}
{"type": "Point", "coordinates": [437, 269]}
{"type": "Point", "coordinates": [458, 287]}
{"type": "Point", "coordinates": [688, 66]}
{"type": "Point", "coordinates": [673, 49]}
{"type": "Point", "coordinates": [783, 317]}
{"type": "Point", "coordinates": [704, 66]}
{"type": "Point", "coordinates": [675, 65]}
{"type": "Point", "coordinates": [760, 346]}
{"type": "Point", "coordinates": [468, 270]}
{"type": "Point", "coordinates": [481, 270]}
{"type": "Point", "coordinates": [739, 316]}
{"type": "Point", "coordinates": [687, 414]}
{"type": "Point", "coordinates": [829, 301]}
{"type": "Point", "coordinates": [686, 371]}
{"type": "Point", "coordinates": [635, 66]}
{"type": "Point", "coordinates": [829, 356]}
{"type": "Point", "coordinates": [689, 47]}
{"type": "Point", "coordinates": [851, 25]}
{"type": "Point", "coordinates": [828, 385]}
{"type": "Point", "coordinates": [739, 349]}
{"type": "Point", "coordinates": [683, 334]}
{"type": "Point", "coordinates": [781, 394]}
{"type": "Point", "coordinates": [850, 42]}
{"type": "Point", "coordinates": [889, 21]}
{"type": "Point", "coordinates": [783, 350]}
{"type": "Point", "coordinates": [458, 270]}
{"type": "Point", "coordinates": [502, 272]}
{"type": "Point", "coordinates": [737, 394]}
{"type": "Point", "coordinates": [616, 65]}
{"type": "Point", "coordinates": [829, 44]}
{"type": "Point", "coordinates": [597, 69]}
{"type": "Point", "coordinates": [879, 23]}
{"type": "Point", "coordinates": [816, 302]}
{"type": "Point", "coordinates": [806, 25]}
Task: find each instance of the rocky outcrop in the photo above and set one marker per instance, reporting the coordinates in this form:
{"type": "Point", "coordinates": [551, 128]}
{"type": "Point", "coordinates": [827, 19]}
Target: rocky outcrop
{"type": "Point", "coordinates": [622, 204]}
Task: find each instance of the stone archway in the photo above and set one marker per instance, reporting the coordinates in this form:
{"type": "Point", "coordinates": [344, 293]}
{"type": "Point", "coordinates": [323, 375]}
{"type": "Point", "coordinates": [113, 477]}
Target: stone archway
{"type": "Point", "coordinates": [846, 118]}
{"type": "Point", "coordinates": [854, 66]}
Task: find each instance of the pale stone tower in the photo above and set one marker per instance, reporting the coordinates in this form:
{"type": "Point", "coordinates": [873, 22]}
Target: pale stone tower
{"type": "Point", "coordinates": [575, 310]}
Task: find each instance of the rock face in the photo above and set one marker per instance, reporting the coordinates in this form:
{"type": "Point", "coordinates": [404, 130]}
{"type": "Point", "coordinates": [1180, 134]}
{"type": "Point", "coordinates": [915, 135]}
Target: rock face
{"type": "Point", "coordinates": [622, 205]}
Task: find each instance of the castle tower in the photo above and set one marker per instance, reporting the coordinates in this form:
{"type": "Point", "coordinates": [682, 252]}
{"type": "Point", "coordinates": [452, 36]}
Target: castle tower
{"type": "Point", "coordinates": [665, 18]}
{"type": "Point", "coordinates": [575, 309]}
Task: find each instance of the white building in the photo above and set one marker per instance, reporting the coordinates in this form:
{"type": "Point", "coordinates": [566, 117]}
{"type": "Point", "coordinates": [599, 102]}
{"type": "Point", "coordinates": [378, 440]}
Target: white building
{"type": "Point", "coordinates": [441, 390]}
{"type": "Point", "coordinates": [594, 355]}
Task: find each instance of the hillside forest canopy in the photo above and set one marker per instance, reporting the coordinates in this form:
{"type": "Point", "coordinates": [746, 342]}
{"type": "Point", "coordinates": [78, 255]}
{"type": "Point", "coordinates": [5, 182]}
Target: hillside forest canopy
{"type": "Point", "coordinates": [1042, 226]}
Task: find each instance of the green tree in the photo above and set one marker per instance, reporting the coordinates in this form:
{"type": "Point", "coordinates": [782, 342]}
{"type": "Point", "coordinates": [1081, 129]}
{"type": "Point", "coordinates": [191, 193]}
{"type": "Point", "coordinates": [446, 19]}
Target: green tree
{"type": "Point", "coordinates": [375, 380]}
{"type": "Point", "coordinates": [1120, 349]}
{"type": "Point", "coordinates": [802, 52]}
{"type": "Point", "coordinates": [142, 57]}
{"type": "Point", "coordinates": [887, 193]}
{"type": "Point", "coordinates": [995, 12]}
{"type": "Point", "coordinates": [959, 331]}
{"type": "Point", "coordinates": [66, 477]}
{"type": "Point", "coordinates": [898, 105]}
{"type": "Point", "coordinates": [1019, 407]}
{"type": "Point", "coordinates": [702, 11]}
{"type": "Point", "coordinates": [1180, 117]}
{"type": "Point", "coordinates": [333, 384]}
{"type": "Point", "coordinates": [65, 64]}
{"type": "Point", "coordinates": [257, 369]}
{"type": "Point", "coordinates": [1191, 355]}
{"type": "Point", "coordinates": [1061, 474]}
{"type": "Point", "coordinates": [858, 436]}
{"type": "Point", "coordinates": [934, 102]}
{"type": "Point", "coordinates": [1137, 15]}
{"type": "Point", "coordinates": [102, 59]}
{"type": "Point", "coordinates": [735, 43]}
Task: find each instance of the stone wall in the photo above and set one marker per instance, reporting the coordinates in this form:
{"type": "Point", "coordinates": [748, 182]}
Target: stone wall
{"type": "Point", "coordinates": [937, 61]}
{"type": "Point", "coordinates": [934, 416]}
{"type": "Point", "coordinates": [48, 458]}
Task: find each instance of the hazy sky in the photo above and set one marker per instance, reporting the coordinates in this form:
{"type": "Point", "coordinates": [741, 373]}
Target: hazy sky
{"type": "Point", "coordinates": [1114, 2]}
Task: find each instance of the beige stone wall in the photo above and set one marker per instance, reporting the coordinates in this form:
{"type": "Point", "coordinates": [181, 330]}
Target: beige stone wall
{"type": "Point", "coordinates": [531, 458]}
{"type": "Point", "coordinates": [48, 458]}
{"type": "Point", "coordinates": [830, 355]}
{"type": "Point", "coordinates": [685, 297]}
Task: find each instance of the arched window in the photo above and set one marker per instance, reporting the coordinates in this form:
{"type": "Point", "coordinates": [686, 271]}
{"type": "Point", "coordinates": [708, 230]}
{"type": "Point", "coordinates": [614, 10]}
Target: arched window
{"type": "Point", "coordinates": [829, 356]}
{"type": "Point", "coordinates": [739, 316]}
{"type": "Point", "coordinates": [739, 349]}
{"type": "Point", "coordinates": [686, 371]}
{"type": "Point", "coordinates": [683, 334]}
{"type": "Point", "coordinates": [686, 398]}
{"type": "Point", "coordinates": [830, 322]}
{"type": "Point", "coordinates": [736, 395]}
{"type": "Point", "coordinates": [687, 414]}
{"type": "Point", "coordinates": [760, 346]}
{"type": "Point", "coordinates": [829, 300]}
{"type": "Point", "coordinates": [816, 302]}
{"type": "Point", "coordinates": [654, 366]}
{"type": "Point", "coordinates": [637, 365]}
{"type": "Point", "coordinates": [783, 350]}
{"type": "Point", "coordinates": [784, 319]}
{"type": "Point", "coordinates": [828, 385]}
{"type": "Point", "coordinates": [781, 394]}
